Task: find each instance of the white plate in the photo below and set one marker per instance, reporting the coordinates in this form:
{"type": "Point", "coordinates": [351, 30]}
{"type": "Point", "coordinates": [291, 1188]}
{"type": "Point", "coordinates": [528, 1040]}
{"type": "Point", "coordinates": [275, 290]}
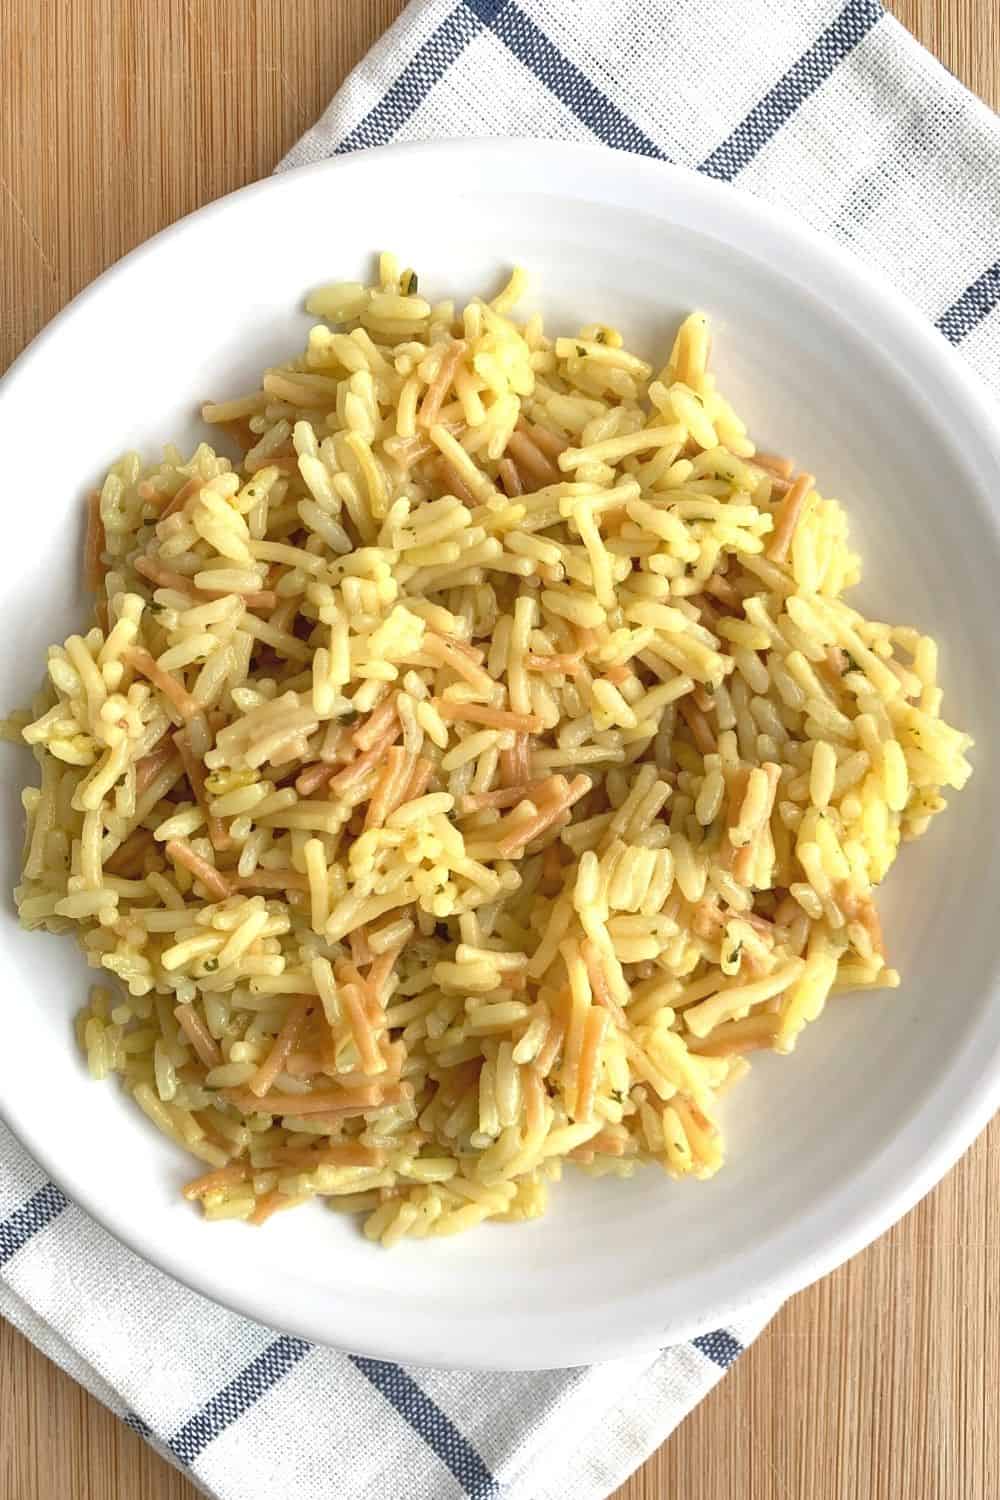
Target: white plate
{"type": "Point", "coordinates": [826, 362]}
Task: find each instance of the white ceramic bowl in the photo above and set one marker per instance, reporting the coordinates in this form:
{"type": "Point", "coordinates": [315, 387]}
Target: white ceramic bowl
{"type": "Point", "coordinates": [826, 362]}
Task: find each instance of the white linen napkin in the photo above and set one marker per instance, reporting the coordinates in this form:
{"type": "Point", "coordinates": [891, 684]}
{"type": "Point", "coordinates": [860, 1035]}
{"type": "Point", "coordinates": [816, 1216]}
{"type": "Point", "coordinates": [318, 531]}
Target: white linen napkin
{"type": "Point", "coordinates": [826, 108]}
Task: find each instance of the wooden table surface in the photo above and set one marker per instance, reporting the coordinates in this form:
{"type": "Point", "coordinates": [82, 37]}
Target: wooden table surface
{"type": "Point", "coordinates": [876, 1384]}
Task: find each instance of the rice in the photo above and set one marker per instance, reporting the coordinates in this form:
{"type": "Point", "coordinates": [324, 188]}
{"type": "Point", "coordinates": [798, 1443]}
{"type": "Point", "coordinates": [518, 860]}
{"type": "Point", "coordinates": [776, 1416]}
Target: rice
{"type": "Point", "coordinates": [464, 783]}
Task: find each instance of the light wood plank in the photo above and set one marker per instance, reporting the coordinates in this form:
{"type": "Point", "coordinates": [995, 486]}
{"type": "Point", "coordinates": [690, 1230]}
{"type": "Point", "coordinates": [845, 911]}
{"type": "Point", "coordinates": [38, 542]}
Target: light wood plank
{"type": "Point", "coordinates": [875, 1384]}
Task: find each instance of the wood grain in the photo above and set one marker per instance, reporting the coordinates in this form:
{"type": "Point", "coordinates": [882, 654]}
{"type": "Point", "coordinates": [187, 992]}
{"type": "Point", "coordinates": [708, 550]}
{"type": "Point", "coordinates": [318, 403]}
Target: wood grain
{"type": "Point", "coordinates": [875, 1384]}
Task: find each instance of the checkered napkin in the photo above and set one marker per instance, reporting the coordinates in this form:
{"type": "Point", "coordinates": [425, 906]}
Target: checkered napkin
{"type": "Point", "coordinates": [826, 108]}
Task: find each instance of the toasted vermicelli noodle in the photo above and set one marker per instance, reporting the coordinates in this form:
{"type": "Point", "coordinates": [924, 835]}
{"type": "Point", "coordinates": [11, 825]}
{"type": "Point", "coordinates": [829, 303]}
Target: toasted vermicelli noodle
{"type": "Point", "coordinates": [469, 778]}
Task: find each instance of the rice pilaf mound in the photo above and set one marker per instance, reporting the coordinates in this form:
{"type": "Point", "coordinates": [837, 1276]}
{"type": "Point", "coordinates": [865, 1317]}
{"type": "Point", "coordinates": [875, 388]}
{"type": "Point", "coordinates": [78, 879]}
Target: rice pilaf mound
{"type": "Point", "coordinates": [465, 781]}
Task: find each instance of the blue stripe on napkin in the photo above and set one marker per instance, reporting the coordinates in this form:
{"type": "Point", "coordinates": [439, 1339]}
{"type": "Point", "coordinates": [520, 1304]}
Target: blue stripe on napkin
{"type": "Point", "coordinates": [975, 304]}
{"type": "Point", "coordinates": [242, 1392]}
{"type": "Point", "coordinates": [429, 1422]}
{"type": "Point", "coordinates": [574, 89]}
{"type": "Point", "coordinates": [25, 1222]}
{"type": "Point", "coordinates": [720, 1347]}
{"type": "Point", "coordinates": [427, 66]}
{"type": "Point", "coordinates": [802, 79]}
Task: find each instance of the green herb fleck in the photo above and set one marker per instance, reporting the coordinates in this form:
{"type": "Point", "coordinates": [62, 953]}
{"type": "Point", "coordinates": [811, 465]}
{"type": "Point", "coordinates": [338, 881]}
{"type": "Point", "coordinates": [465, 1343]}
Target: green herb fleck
{"type": "Point", "coordinates": [618, 1095]}
{"type": "Point", "coordinates": [348, 716]}
{"type": "Point", "coordinates": [210, 965]}
{"type": "Point", "coordinates": [734, 956]}
{"type": "Point", "coordinates": [599, 336]}
{"type": "Point", "coordinates": [581, 351]}
{"type": "Point", "coordinates": [851, 666]}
